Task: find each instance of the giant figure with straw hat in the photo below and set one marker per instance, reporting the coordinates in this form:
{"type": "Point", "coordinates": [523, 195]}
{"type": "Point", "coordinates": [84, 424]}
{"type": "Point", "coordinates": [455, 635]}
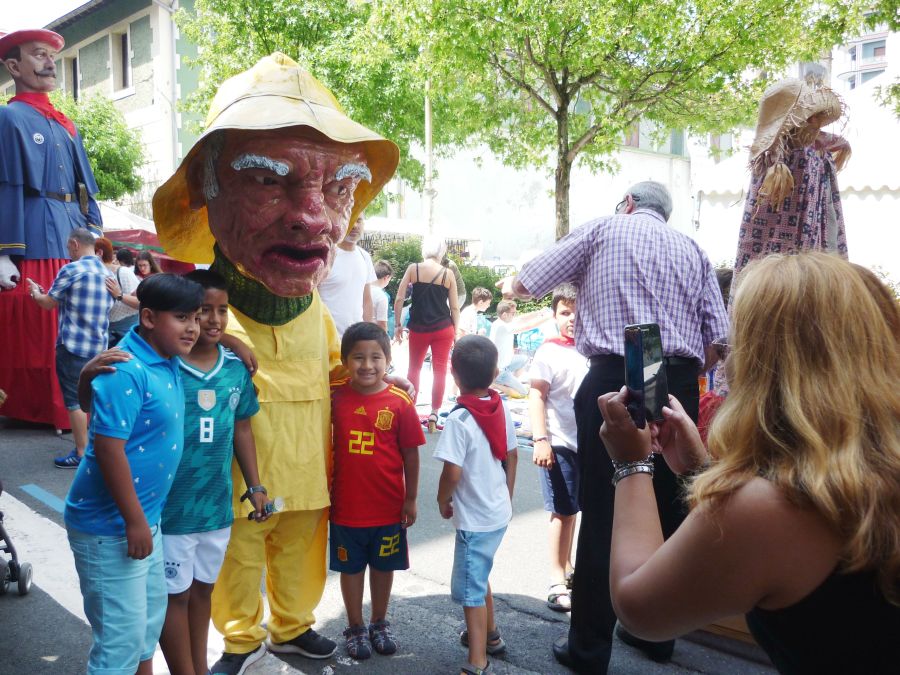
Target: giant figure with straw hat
{"type": "Point", "coordinates": [793, 203]}
{"type": "Point", "coordinates": [264, 195]}
{"type": "Point", "coordinates": [47, 191]}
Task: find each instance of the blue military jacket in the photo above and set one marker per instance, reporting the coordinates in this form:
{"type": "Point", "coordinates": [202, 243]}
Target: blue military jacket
{"type": "Point", "coordinates": [37, 156]}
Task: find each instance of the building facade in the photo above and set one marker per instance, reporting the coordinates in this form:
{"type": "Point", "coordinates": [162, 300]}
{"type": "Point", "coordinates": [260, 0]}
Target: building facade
{"type": "Point", "coordinates": [130, 51]}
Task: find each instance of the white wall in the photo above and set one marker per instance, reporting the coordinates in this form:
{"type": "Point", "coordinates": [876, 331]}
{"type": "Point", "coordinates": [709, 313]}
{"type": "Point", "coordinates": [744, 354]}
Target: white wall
{"type": "Point", "coordinates": [869, 185]}
{"type": "Point", "coordinates": [513, 211]}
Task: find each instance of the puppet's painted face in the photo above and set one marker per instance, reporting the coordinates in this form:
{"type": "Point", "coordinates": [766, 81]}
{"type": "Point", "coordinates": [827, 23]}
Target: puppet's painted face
{"type": "Point", "coordinates": [282, 203]}
{"type": "Point", "coordinates": [35, 71]}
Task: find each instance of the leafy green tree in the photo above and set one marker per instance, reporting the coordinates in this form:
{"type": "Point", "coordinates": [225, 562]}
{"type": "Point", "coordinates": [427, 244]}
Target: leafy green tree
{"type": "Point", "coordinates": [400, 254]}
{"type": "Point", "coordinates": [116, 152]}
{"type": "Point", "coordinates": [549, 83]}
{"type": "Point", "coordinates": [374, 73]}
{"type": "Point", "coordinates": [478, 275]}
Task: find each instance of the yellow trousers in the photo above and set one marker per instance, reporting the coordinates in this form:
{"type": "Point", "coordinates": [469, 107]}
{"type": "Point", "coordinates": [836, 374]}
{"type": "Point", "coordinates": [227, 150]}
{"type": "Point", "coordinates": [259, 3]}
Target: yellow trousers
{"type": "Point", "coordinates": [291, 547]}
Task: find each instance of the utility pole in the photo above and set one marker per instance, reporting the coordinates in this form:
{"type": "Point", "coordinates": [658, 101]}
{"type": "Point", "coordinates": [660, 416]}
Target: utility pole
{"type": "Point", "coordinates": [429, 164]}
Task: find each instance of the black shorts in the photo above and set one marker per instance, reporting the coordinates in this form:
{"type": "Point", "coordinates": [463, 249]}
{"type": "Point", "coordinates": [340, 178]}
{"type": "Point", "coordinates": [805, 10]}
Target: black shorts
{"type": "Point", "coordinates": [382, 548]}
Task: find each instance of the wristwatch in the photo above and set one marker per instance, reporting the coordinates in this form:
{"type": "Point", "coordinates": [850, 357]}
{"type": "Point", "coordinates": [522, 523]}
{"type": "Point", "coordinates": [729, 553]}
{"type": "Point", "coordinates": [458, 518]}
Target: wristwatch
{"type": "Point", "coordinates": [252, 490]}
{"type": "Point", "coordinates": [120, 296]}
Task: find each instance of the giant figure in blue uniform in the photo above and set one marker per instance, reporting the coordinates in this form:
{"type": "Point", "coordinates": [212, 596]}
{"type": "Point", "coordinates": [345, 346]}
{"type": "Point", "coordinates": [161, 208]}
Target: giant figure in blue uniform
{"type": "Point", "coordinates": [47, 190]}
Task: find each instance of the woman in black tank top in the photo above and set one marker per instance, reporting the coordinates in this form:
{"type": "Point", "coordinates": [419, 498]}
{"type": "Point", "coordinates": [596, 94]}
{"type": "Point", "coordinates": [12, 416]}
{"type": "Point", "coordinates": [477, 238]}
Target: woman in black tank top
{"type": "Point", "coordinates": [433, 315]}
{"type": "Point", "coordinates": [796, 520]}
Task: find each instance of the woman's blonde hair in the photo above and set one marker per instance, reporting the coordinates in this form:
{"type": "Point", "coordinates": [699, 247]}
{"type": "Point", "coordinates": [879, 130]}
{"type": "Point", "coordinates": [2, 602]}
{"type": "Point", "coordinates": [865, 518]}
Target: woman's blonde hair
{"type": "Point", "coordinates": [814, 405]}
{"type": "Point", "coordinates": [433, 247]}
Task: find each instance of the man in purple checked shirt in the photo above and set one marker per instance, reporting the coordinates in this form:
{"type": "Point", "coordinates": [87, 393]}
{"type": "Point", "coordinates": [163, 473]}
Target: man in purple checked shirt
{"type": "Point", "coordinates": [629, 268]}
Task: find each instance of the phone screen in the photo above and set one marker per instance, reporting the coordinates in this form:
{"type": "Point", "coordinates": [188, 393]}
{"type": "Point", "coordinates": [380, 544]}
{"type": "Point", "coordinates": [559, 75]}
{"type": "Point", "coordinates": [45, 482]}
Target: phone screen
{"type": "Point", "coordinates": [634, 374]}
{"type": "Point", "coordinates": [645, 376]}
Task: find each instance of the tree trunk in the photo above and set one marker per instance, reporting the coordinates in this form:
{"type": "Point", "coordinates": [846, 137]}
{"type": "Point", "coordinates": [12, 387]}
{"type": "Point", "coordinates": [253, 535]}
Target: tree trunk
{"type": "Point", "coordinates": [563, 173]}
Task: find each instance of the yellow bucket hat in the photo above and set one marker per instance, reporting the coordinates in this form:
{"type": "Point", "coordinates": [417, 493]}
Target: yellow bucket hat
{"type": "Point", "coordinates": [273, 94]}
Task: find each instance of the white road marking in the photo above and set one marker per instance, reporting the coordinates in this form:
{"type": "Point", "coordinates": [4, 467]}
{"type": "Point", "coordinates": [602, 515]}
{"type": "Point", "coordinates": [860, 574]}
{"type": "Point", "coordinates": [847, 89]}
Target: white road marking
{"type": "Point", "coordinates": [44, 544]}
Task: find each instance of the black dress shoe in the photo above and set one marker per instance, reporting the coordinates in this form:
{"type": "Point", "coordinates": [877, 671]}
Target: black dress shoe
{"type": "Point", "coordinates": [561, 652]}
{"type": "Point", "coordinates": [661, 652]}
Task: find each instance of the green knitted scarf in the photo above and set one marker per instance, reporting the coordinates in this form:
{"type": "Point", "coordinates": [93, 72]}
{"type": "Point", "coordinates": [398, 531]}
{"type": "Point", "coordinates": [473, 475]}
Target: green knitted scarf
{"type": "Point", "coordinates": [255, 300]}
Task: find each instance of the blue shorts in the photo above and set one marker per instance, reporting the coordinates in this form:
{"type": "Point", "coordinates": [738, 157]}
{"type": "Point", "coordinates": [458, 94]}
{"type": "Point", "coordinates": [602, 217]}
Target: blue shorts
{"type": "Point", "coordinates": [559, 484]}
{"type": "Point", "coordinates": [382, 548]}
{"type": "Point", "coordinates": [124, 600]}
{"type": "Point", "coordinates": [68, 370]}
{"type": "Point", "coordinates": [473, 559]}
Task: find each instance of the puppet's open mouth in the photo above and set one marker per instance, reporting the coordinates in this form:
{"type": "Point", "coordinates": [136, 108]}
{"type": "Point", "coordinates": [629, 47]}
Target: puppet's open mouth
{"type": "Point", "coordinates": [297, 257]}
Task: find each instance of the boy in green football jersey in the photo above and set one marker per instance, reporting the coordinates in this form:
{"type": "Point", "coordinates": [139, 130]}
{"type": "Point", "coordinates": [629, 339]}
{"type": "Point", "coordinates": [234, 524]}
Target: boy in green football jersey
{"type": "Point", "coordinates": [196, 523]}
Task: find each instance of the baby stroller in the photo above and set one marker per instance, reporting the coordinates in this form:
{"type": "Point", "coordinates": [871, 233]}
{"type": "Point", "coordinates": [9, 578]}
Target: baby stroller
{"type": "Point", "coordinates": [12, 571]}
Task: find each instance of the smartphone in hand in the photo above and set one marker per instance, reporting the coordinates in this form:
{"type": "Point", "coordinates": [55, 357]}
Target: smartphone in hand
{"type": "Point", "coordinates": [645, 373]}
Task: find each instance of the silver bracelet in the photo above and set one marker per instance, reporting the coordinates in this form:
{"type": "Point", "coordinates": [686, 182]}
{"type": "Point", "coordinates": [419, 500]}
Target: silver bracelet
{"type": "Point", "coordinates": [623, 469]}
{"type": "Point", "coordinates": [630, 471]}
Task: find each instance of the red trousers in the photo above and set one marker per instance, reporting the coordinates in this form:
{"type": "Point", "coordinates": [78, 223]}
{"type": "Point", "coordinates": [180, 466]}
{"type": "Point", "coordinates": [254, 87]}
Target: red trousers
{"type": "Point", "coordinates": [440, 342]}
{"type": "Point", "coordinates": [28, 350]}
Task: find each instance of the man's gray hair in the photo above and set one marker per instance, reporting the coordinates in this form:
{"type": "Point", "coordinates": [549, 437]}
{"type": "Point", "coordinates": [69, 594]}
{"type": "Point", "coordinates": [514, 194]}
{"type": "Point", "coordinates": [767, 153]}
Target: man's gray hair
{"type": "Point", "coordinates": [83, 236]}
{"type": "Point", "coordinates": [433, 246]}
{"type": "Point", "coordinates": [651, 195]}
{"type": "Point", "coordinates": [212, 150]}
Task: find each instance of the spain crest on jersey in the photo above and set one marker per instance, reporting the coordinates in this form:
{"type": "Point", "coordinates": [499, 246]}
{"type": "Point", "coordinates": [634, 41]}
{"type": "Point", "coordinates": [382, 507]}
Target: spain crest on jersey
{"type": "Point", "coordinates": [206, 399]}
{"type": "Point", "coordinates": [384, 420]}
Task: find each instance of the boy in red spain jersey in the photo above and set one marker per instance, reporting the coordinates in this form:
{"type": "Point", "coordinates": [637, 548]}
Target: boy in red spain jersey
{"type": "Point", "coordinates": [376, 439]}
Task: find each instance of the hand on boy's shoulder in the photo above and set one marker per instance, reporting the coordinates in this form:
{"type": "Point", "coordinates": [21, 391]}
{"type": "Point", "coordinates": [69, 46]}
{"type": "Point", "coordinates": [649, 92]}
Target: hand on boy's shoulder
{"type": "Point", "coordinates": [401, 383]}
{"type": "Point", "coordinates": [242, 351]}
{"type": "Point", "coordinates": [104, 362]}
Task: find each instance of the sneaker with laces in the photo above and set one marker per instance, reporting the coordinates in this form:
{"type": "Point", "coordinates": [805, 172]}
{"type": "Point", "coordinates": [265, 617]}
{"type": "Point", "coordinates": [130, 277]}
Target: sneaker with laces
{"type": "Point", "coordinates": [70, 461]}
{"type": "Point", "coordinates": [381, 637]}
{"type": "Point", "coordinates": [357, 644]}
{"type": "Point", "coordinates": [309, 644]}
{"type": "Point", "coordinates": [236, 664]}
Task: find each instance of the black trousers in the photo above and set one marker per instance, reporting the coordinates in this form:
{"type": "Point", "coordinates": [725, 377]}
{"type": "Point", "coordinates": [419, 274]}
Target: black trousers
{"type": "Point", "coordinates": [593, 619]}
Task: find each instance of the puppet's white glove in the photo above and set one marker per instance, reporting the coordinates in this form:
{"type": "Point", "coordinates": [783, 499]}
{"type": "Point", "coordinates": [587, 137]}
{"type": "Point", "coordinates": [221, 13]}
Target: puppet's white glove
{"type": "Point", "coordinates": [9, 274]}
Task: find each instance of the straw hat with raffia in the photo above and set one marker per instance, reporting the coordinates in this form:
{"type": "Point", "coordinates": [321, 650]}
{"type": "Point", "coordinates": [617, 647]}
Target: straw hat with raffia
{"type": "Point", "coordinates": [784, 124]}
{"type": "Point", "coordinates": [273, 94]}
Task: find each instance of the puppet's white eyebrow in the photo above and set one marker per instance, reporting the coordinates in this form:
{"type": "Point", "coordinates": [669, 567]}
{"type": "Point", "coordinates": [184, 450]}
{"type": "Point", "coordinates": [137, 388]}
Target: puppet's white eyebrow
{"type": "Point", "coordinates": [353, 171]}
{"type": "Point", "coordinates": [251, 161]}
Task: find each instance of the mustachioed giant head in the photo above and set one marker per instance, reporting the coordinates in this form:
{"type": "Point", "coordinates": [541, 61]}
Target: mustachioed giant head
{"type": "Point", "coordinates": [275, 179]}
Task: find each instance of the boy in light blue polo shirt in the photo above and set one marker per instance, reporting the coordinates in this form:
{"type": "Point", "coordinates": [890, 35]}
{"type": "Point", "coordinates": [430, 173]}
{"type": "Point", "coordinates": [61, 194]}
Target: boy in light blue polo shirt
{"type": "Point", "coordinates": [115, 502]}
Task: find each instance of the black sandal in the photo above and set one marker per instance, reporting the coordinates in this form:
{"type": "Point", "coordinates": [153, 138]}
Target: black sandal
{"type": "Point", "coordinates": [495, 643]}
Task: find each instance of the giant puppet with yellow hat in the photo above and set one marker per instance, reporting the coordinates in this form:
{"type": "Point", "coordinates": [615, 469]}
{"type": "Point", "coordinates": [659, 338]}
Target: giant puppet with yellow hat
{"type": "Point", "coordinates": [264, 196]}
{"type": "Point", "coordinates": [47, 190]}
{"type": "Point", "coordinates": [793, 203]}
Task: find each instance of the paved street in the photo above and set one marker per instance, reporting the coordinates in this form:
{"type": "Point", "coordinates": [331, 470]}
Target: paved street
{"type": "Point", "coordinates": [45, 631]}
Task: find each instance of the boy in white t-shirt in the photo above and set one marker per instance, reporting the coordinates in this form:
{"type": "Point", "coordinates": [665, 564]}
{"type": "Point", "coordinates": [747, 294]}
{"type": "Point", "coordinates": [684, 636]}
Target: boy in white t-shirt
{"type": "Point", "coordinates": [380, 299]}
{"type": "Point", "coordinates": [478, 448]}
{"type": "Point", "coordinates": [468, 317]}
{"type": "Point", "coordinates": [556, 373]}
{"type": "Point", "coordinates": [503, 332]}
